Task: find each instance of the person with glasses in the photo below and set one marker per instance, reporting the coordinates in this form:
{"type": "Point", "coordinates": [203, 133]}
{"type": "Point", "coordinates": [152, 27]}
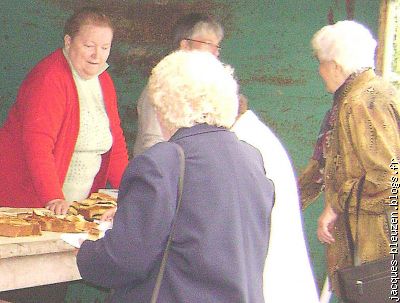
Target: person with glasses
{"type": "Point", "coordinates": [194, 31]}
{"type": "Point", "coordinates": [198, 32]}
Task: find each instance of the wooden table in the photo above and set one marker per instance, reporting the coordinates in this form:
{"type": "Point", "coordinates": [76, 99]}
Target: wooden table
{"type": "Point", "coordinates": [36, 260]}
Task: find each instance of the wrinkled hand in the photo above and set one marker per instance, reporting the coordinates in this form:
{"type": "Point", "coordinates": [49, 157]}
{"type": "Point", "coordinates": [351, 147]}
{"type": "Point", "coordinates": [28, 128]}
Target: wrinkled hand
{"type": "Point", "coordinates": [326, 224]}
{"type": "Point", "coordinates": [109, 214]}
{"type": "Point", "coordinates": [58, 206]}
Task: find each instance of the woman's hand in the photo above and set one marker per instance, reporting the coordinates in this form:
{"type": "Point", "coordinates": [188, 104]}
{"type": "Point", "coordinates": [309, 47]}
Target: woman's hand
{"type": "Point", "coordinates": [326, 224]}
{"type": "Point", "coordinates": [58, 206]}
{"type": "Point", "coordinates": [109, 214]}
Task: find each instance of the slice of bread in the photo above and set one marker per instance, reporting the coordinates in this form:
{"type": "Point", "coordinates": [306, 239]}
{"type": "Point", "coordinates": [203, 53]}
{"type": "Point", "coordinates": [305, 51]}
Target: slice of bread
{"type": "Point", "coordinates": [93, 207]}
{"type": "Point", "coordinates": [62, 223]}
{"type": "Point", "coordinates": [102, 196]}
{"type": "Point", "coordinates": [16, 227]}
{"type": "Point", "coordinates": [32, 223]}
{"type": "Point", "coordinates": [94, 212]}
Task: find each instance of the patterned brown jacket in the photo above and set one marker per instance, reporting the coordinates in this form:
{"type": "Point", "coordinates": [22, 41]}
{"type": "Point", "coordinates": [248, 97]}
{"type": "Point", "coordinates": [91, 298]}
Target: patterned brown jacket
{"type": "Point", "coordinates": [358, 151]}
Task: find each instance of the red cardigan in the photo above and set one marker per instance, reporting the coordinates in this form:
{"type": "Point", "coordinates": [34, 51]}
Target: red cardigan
{"type": "Point", "coordinates": [38, 138]}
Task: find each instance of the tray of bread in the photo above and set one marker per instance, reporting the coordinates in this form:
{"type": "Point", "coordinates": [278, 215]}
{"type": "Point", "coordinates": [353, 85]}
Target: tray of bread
{"type": "Point", "coordinates": [93, 207]}
{"type": "Point", "coordinates": [18, 222]}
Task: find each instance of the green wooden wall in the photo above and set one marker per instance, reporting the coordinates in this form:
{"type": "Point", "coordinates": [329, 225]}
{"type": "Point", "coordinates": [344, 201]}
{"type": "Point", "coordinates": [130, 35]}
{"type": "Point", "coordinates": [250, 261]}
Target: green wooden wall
{"type": "Point", "coordinates": [267, 42]}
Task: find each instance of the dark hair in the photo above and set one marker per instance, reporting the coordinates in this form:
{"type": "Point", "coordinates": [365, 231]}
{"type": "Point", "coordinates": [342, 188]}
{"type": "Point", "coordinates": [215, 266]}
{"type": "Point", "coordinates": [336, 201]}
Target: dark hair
{"type": "Point", "coordinates": [189, 25]}
{"type": "Point", "coordinates": [85, 16]}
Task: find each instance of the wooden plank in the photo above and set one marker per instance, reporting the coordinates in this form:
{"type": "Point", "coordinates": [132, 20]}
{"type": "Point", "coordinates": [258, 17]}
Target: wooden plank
{"type": "Point", "coordinates": [382, 38]}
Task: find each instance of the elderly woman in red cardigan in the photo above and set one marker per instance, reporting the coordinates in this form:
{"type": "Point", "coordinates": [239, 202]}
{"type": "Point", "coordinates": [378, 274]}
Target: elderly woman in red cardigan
{"type": "Point", "coordinates": [62, 138]}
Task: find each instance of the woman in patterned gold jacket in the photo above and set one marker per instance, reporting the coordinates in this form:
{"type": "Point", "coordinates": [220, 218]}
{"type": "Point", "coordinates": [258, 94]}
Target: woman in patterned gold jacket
{"type": "Point", "coordinates": [358, 141]}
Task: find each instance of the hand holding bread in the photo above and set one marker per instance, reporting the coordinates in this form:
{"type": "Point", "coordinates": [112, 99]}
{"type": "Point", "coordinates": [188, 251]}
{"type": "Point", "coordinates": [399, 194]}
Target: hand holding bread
{"type": "Point", "coordinates": [109, 214]}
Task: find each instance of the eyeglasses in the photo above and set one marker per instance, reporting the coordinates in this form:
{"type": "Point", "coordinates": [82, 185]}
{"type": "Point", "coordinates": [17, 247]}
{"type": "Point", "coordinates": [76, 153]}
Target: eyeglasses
{"type": "Point", "coordinates": [204, 42]}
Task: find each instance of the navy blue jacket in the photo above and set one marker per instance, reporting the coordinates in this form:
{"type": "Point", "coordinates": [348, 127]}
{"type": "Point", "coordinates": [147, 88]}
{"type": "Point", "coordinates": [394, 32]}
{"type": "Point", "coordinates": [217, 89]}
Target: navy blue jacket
{"type": "Point", "coordinates": [222, 231]}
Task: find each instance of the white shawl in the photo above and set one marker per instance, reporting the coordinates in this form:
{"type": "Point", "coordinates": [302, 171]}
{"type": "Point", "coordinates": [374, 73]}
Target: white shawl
{"type": "Point", "coordinates": [287, 270]}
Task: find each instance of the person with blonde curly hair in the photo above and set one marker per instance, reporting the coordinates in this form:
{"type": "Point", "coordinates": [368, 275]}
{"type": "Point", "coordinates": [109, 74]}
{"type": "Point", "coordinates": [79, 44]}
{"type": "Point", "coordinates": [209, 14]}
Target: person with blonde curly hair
{"type": "Point", "coordinates": [207, 93]}
{"type": "Point", "coordinates": [359, 139]}
{"type": "Point", "coordinates": [222, 229]}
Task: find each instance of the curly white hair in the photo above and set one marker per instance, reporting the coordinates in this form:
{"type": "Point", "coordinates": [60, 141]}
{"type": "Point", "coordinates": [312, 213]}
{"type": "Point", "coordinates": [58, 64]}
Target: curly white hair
{"type": "Point", "coordinates": [193, 87]}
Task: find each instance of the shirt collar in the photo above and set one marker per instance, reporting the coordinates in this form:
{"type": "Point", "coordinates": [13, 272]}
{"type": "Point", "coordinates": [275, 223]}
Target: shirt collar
{"type": "Point", "coordinates": [196, 130]}
{"type": "Point", "coordinates": [363, 74]}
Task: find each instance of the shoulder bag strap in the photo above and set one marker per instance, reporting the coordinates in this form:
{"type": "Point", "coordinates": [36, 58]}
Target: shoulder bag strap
{"type": "Point", "coordinates": [160, 275]}
{"type": "Point", "coordinates": [352, 246]}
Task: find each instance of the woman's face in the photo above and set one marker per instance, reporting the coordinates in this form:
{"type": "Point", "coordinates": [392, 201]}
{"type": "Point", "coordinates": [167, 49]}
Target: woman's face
{"type": "Point", "coordinates": [332, 75]}
{"type": "Point", "coordinates": [89, 49]}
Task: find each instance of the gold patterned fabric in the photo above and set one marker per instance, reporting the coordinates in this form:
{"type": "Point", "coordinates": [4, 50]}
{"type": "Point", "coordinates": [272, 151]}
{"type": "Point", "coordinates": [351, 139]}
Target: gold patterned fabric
{"type": "Point", "coordinates": [361, 144]}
